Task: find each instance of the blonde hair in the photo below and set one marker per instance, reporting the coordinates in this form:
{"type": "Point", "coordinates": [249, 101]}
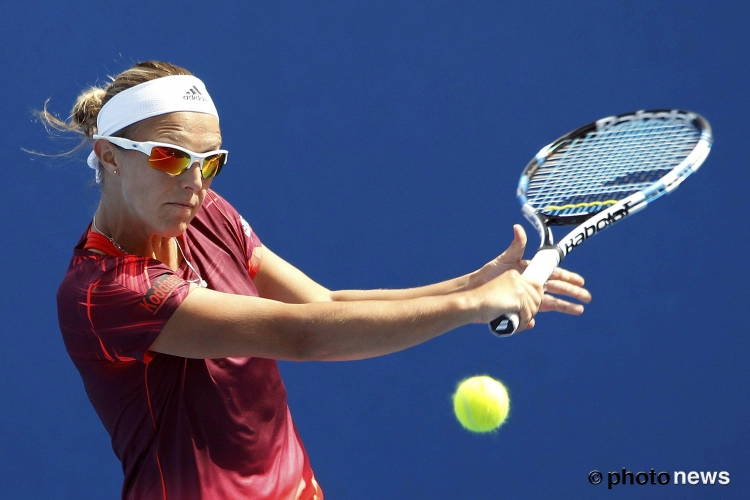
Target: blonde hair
{"type": "Point", "coordinates": [82, 119]}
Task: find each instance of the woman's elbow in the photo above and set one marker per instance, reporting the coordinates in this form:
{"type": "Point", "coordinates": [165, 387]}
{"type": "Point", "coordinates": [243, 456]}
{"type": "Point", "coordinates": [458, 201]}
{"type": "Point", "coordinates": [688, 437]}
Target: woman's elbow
{"type": "Point", "coordinates": [310, 346]}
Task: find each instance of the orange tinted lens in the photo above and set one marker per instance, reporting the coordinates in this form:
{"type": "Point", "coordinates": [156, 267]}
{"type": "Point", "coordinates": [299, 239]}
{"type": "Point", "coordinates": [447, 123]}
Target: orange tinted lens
{"type": "Point", "coordinates": [212, 165]}
{"type": "Point", "coordinates": [169, 160]}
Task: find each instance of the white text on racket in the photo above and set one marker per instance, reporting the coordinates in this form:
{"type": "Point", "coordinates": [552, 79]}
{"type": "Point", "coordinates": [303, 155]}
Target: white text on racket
{"type": "Point", "coordinates": [590, 230]}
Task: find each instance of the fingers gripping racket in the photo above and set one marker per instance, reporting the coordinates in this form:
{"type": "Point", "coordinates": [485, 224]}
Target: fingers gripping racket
{"type": "Point", "coordinates": [601, 173]}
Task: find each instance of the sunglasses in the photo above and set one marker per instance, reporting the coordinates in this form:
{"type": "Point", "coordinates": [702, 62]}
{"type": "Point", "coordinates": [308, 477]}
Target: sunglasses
{"type": "Point", "coordinates": [172, 159]}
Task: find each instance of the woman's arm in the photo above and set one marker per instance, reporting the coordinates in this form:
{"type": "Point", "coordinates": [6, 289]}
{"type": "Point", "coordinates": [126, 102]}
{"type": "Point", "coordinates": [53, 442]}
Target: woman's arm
{"type": "Point", "coordinates": [279, 280]}
{"type": "Point", "coordinates": [210, 324]}
{"type": "Point", "coordinates": [297, 319]}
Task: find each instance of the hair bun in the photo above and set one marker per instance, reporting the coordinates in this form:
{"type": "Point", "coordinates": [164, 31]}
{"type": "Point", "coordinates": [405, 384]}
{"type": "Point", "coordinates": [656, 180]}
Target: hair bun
{"type": "Point", "coordinates": [86, 109]}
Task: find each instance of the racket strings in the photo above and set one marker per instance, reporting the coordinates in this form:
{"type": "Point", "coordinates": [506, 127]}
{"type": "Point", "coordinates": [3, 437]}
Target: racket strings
{"type": "Point", "coordinates": [600, 168]}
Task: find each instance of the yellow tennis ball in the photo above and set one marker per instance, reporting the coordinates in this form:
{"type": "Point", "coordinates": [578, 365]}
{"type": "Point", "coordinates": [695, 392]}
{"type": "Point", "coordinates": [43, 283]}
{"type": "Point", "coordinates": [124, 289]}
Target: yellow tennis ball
{"type": "Point", "coordinates": [481, 403]}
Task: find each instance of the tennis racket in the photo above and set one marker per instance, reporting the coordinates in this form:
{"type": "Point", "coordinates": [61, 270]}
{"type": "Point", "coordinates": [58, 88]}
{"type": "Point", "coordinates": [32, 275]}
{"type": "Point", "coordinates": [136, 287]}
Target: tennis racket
{"type": "Point", "coordinates": [601, 173]}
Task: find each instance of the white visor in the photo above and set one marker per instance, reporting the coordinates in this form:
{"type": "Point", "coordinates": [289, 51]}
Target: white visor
{"type": "Point", "coordinates": [169, 94]}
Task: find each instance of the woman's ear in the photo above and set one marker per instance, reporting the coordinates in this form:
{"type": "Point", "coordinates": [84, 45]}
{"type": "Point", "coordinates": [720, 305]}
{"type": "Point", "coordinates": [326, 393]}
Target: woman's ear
{"type": "Point", "coordinates": [105, 151]}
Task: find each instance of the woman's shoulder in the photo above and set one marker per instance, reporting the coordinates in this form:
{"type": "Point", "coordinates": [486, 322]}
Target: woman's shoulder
{"type": "Point", "coordinates": [89, 269]}
{"type": "Point", "coordinates": [219, 223]}
{"type": "Point", "coordinates": [215, 203]}
{"type": "Point", "coordinates": [218, 215]}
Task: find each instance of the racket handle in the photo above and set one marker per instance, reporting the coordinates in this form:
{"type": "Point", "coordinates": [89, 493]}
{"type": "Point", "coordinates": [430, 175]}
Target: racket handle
{"type": "Point", "coordinates": [539, 270]}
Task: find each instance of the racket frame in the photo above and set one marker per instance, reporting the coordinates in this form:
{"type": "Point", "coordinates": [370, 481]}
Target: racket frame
{"type": "Point", "coordinates": [550, 254]}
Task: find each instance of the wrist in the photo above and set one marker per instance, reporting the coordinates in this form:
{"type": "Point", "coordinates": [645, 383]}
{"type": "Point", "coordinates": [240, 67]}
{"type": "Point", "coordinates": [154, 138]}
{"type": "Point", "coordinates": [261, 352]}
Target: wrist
{"type": "Point", "coordinates": [468, 305]}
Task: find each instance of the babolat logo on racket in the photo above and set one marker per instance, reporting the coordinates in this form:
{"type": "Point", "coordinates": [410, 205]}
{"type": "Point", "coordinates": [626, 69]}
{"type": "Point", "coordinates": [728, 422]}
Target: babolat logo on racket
{"type": "Point", "coordinates": [161, 288]}
{"type": "Point", "coordinates": [674, 114]}
{"type": "Point", "coordinates": [589, 230]}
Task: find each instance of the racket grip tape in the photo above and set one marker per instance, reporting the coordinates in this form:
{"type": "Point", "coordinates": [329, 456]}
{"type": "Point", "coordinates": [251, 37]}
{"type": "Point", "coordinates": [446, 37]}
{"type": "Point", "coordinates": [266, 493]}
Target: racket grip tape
{"type": "Point", "coordinates": [539, 270]}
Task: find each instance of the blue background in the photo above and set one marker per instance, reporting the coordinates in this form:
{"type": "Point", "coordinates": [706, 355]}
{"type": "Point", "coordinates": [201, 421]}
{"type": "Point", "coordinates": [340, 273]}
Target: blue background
{"type": "Point", "coordinates": [378, 144]}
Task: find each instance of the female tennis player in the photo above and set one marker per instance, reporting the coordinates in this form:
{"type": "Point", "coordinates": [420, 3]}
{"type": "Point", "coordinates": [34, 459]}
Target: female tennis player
{"type": "Point", "coordinates": [175, 313]}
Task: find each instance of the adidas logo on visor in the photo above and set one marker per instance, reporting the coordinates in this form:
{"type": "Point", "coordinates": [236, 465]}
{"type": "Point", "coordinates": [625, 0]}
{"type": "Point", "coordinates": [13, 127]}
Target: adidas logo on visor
{"type": "Point", "coordinates": [194, 95]}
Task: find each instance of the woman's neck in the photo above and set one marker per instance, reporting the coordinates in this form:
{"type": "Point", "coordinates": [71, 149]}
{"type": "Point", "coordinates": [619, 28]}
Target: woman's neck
{"type": "Point", "coordinates": [135, 240]}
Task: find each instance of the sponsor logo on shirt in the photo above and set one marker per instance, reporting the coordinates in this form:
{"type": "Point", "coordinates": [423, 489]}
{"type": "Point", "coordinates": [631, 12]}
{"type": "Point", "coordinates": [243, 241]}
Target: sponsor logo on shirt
{"type": "Point", "coordinates": [161, 288]}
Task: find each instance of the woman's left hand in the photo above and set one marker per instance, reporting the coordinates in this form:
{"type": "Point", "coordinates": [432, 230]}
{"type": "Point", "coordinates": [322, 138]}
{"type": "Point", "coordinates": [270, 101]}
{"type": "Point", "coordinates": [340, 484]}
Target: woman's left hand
{"type": "Point", "coordinates": [562, 281]}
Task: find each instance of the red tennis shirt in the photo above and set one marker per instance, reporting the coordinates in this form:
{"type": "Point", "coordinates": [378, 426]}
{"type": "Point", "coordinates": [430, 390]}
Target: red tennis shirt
{"type": "Point", "coordinates": [182, 428]}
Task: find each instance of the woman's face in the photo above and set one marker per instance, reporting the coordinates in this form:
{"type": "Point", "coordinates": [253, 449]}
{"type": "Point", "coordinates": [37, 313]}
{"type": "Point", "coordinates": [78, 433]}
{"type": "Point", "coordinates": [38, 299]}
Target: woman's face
{"type": "Point", "coordinates": [155, 202]}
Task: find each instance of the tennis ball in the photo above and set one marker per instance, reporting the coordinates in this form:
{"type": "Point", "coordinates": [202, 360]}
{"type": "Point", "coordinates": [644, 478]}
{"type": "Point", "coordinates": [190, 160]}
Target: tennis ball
{"type": "Point", "coordinates": [481, 403]}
